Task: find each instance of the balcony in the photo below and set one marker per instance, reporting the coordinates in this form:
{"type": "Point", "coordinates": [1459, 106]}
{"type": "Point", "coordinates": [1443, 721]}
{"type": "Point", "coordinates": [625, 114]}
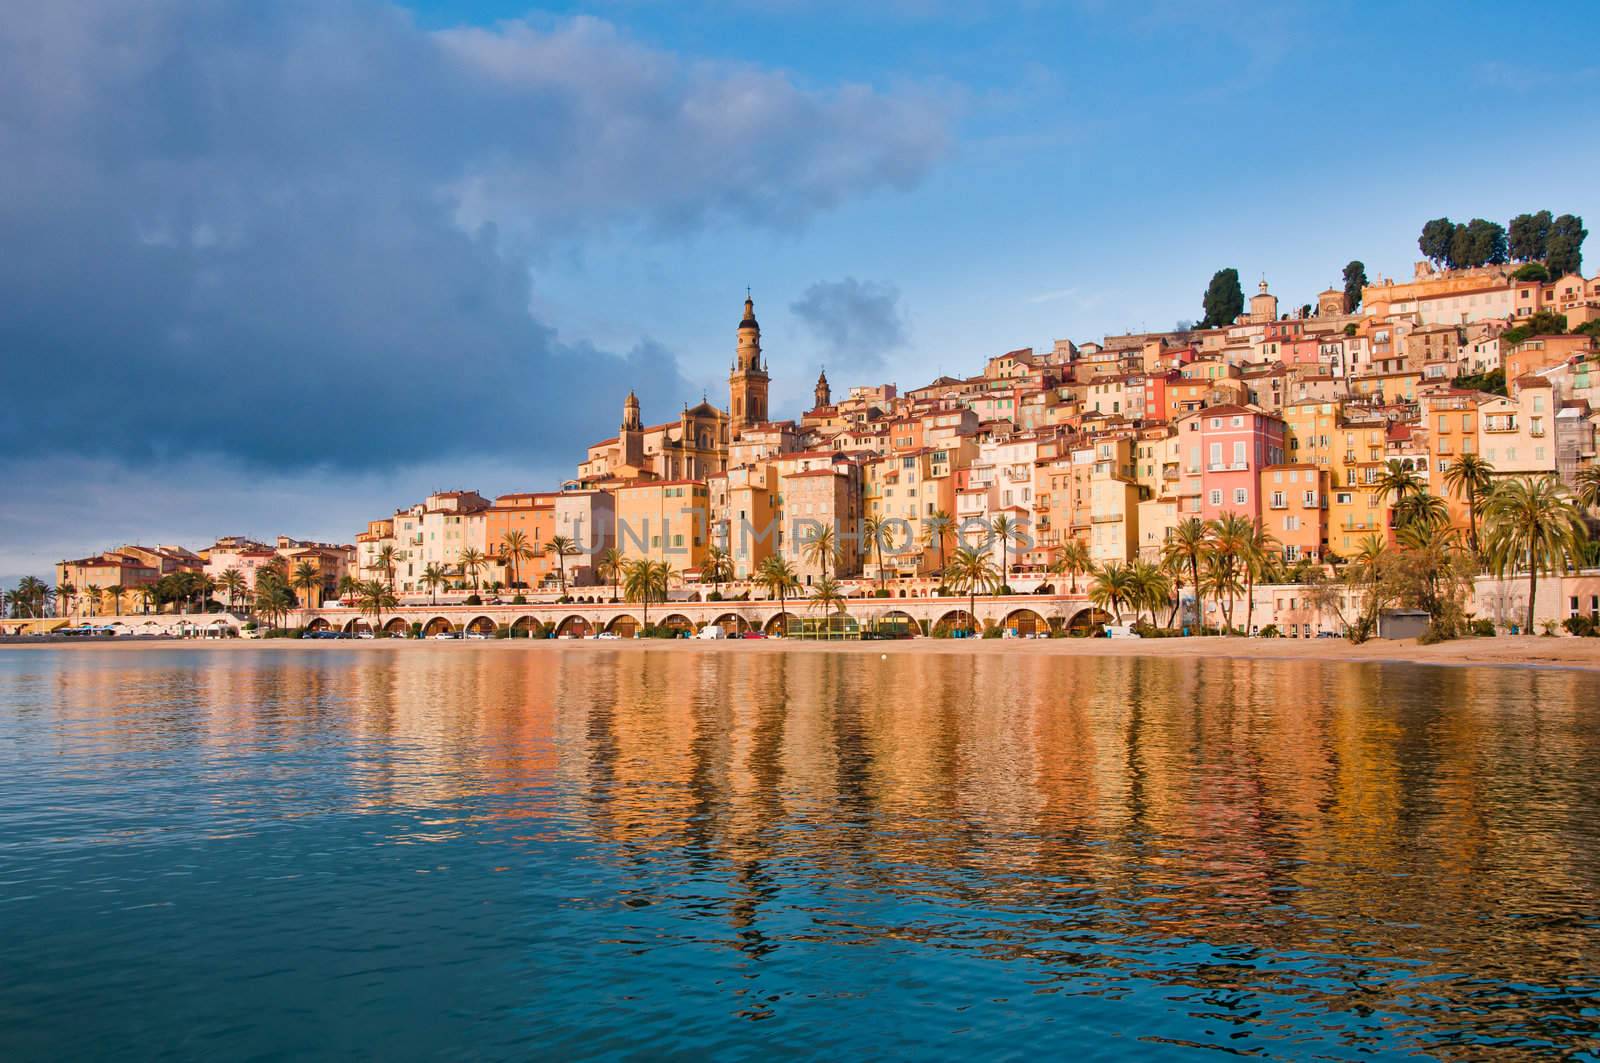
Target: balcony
{"type": "Point", "coordinates": [1500, 425]}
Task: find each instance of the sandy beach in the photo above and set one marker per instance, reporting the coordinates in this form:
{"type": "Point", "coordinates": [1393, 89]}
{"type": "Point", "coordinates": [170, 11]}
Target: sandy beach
{"type": "Point", "coordinates": [1503, 651]}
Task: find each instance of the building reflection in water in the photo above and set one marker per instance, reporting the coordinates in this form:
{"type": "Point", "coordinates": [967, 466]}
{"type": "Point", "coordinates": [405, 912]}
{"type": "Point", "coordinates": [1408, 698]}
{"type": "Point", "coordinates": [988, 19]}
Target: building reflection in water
{"type": "Point", "coordinates": [1269, 842]}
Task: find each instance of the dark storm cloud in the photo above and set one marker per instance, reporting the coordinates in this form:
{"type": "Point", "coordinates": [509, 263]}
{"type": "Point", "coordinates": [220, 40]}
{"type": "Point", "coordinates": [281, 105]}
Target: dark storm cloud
{"type": "Point", "coordinates": [858, 321]}
{"type": "Point", "coordinates": [290, 232]}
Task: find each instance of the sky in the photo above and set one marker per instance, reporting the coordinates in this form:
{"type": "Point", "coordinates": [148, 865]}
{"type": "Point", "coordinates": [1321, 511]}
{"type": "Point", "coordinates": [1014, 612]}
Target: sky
{"type": "Point", "coordinates": [282, 268]}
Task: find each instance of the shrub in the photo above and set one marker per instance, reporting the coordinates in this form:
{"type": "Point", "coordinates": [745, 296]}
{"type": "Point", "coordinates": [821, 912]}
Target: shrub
{"type": "Point", "coordinates": [714, 596]}
{"type": "Point", "coordinates": [474, 599]}
{"type": "Point", "coordinates": [993, 633]}
{"type": "Point", "coordinates": [416, 630]}
{"type": "Point", "coordinates": [501, 631]}
{"type": "Point", "coordinates": [1432, 635]}
{"type": "Point", "coordinates": [521, 599]}
{"type": "Point", "coordinates": [941, 633]}
{"type": "Point", "coordinates": [1483, 627]}
{"type": "Point", "coordinates": [1549, 628]}
{"type": "Point", "coordinates": [881, 592]}
{"type": "Point", "coordinates": [1271, 632]}
{"type": "Point", "coordinates": [249, 625]}
{"type": "Point", "coordinates": [1581, 626]}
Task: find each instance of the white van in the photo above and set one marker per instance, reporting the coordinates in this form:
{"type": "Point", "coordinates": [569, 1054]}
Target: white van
{"type": "Point", "coordinates": [712, 631]}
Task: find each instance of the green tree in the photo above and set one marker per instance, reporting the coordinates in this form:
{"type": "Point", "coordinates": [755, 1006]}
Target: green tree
{"type": "Point", "coordinates": [432, 576]}
{"type": "Point", "coordinates": [373, 597]}
{"type": "Point", "coordinates": [969, 572]}
{"type": "Point", "coordinates": [1532, 271]}
{"type": "Point", "coordinates": [1113, 587]}
{"type": "Point", "coordinates": [515, 546]}
{"type": "Point", "coordinates": [1151, 589]}
{"type": "Point", "coordinates": [307, 579]}
{"type": "Point", "coordinates": [1006, 530]}
{"type": "Point", "coordinates": [777, 578]}
{"type": "Point", "coordinates": [471, 562]}
{"type": "Point", "coordinates": [1073, 561]}
{"type": "Point", "coordinates": [385, 563]}
{"type": "Point", "coordinates": [609, 565]}
{"type": "Point", "coordinates": [717, 567]}
{"type": "Point", "coordinates": [1565, 252]}
{"type": "Point", "coordinates": [348, 588]}
{"type": "Point", "coordinates": [232, 584]}
{"type": "Point", "coordinates": [1230, 539]}
{"type": "Point", "coordinates": [937, 530]}
{"type": "Point", "coordinates": [1486, 243]}
{"type": "Point", "coordinates": [821, 548]}
{"type": "Point", "coordinates": [646, 581]}
{"type": "Point", "coordinates": [826, 597]}
{"type": "Point", "coordinates": [1188, 544]}
{"type": "Point", "coordinates": [1470, 476]}
{"type": "Point", "coordinates": [1532, 524]}
{"type": "Point", "coordinates": [1355, 279]}
{"type": "Point", "coordinates": [1256, 559]}
{"type": "Point", "coordinates": [1435, 241]}
{"type": "Point", "coordinates": [561, 547]}
{"type": "Point", "coordinates": [874, 528]}
{"type": "Point", "coordinates": [1587, 485]}
{"type": "Point", "coordinates": [1224, 299]}
{"type": "Point", "coordinates": [1530, 238]}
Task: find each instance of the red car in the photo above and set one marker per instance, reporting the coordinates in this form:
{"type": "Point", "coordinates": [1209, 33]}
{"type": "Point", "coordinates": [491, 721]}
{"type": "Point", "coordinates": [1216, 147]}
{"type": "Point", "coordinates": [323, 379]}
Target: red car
{"type": "Point", "coordinates": [753, 635]}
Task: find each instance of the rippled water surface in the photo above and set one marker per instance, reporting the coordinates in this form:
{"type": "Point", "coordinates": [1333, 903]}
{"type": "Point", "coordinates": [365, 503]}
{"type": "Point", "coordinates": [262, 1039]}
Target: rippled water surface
{"type": "Point", "coordinates": [723, 852]}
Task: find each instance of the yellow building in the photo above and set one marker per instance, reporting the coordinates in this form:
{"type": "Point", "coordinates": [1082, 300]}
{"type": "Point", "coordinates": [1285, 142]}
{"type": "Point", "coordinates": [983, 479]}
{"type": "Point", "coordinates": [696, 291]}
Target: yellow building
{"type": "Point", "coordinates": [666, 520]}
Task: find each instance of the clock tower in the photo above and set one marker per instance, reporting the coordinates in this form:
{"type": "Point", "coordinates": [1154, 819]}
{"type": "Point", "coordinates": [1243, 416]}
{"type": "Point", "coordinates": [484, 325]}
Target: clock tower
{"type": "Point", "coordinates": [747, 382]}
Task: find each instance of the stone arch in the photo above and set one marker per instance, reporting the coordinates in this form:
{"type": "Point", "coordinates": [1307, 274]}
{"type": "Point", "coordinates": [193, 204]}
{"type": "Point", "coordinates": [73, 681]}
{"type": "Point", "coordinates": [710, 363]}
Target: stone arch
{"type": "Point", "coordinates": [397, 626]}
{"type": "Point", "coordinates": [896, 621]}
{"type": "Point", "coordinates": [1025, 622]}
{"type": "Point", "coordinates": [481, 624]}
{"type": "Point", "coordinates": [777, 624]}
{"type": "Point", "coordinates": [623, 625]}
{"type": "Point", "coordinates": [1086, 618]}
{"type": "Point", "coordinates": [732, 623]}
{"type": "Point", "coordinates": [677, 622]}
{"type": "Point", "coordinates": [437, 626]}
{"type": "Point", "coordinates": [527, 627]}
{"type": "Point", "coordinates": [319, 623]}
{"type": "Point", "coordinates": [357, 624]}
{"type": "Point", "coordinates": [956, 620]}
{"type": "Point", "coordinates": [574, 626]}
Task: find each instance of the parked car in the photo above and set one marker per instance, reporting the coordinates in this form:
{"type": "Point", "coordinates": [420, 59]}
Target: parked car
{"type": "Point", "coordinates": [478, 635]}
{"type": "Point", "coordinates": [365, 635]}
{"type": "Point", "coordinates": [753, 635]}
{"type": "Point", "coordinates": [608, 635]}
{"type": "Point", "coordinates": [447, 635]}
{"type": "Point", "coordinates": [712, 632]}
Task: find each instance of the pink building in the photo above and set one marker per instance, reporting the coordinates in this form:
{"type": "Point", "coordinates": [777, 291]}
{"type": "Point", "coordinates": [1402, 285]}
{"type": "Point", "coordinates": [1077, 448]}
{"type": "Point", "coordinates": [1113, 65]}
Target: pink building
{"type": "Point", "coordinates": [1223, 450]}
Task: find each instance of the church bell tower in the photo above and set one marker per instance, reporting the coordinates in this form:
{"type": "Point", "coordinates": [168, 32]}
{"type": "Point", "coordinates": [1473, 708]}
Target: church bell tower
{"type": "Point", "coordinates": [823, 394]}
{"type": "Point", "coordinates": [747, 383]}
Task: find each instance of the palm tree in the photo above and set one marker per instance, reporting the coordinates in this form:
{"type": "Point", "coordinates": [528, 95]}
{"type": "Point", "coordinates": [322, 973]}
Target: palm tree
{"type": "Point", "coordinates": [1470, 475]}
{"type": "Point", "coordinates": [646, 581]}
{"type": "Point", "coordinates": [717, 567]}
{"type": "Point", "coordinates": [471, 561]}
{"type": "Point", "coordinates": [1230, 541]}
{"type": "Point", "coordinates": [306, 577]}
{"type": "Point", "coordinates": [432, 576]}
{"type": "Point", "coordinates": [874, 528]}
{"type": "Point", "coordinates": [1255, 559]}
{"type": "Point", "coordinates": [1187, 547]}
{"type": "Point", "coordinates": [115, 593]}
{"type": "Point", "coordinates": [1112, 587]}
{"type": "Point", "coordinates": [64, 595]}
{"type": "Point", "coordinates": [1073, 561]}
{"type": "Point", "coordinates": [1174, 568]}
{"type": "Point", "coordinates": [517, 551]}
{"type": "Point", "coordinates": [826, 597]}
{"type": "Point", "coordinates": [777, 578]}
{"type": "Point", "coordinates": [90, 596]}
{"type": "Point", "coordinates": [374, 596]}
{"type": "Point", "coordinates": [1151, 589]}
{"type": "Point", "coordinates": [1420, 507]}
{"type": "Point", "coordinates": [971, 571]}
{"type": "Point", "coordinates": [1005, 529]}
{"type": "Point", "coordinates": [232, 583]}
{"type": "Point", "coordinates": [1220, 579]}
{"type": "Point", "coordinates": [561, 547]}
{"type": "Point", "coordinates": [1532, 521]}
{"type": "Point", "coordinates": [820, 548]}
{"type": "Point", "coordinates": [937, 530]}
{"type": "Point", "coordinates": [1587, 484]}
{"type": "Point", "coordinates": [609, 567]}
{"type": "Point", "coordinates": [349, 588]}
{"type": "Point", "coordinates": [1396, 482]}
{"type": "Point", "coordinates": [386, 562]}
{"type": "Point", "coordinates": [273, 600]}
{"type": "Point", "coordinates": [34, 592]}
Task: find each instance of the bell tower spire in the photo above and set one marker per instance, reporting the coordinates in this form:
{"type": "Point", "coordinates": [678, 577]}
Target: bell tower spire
{"type": "Point", "coordinates": [747, 383]}
{"type": "Point", "coordinates": [824, 394]}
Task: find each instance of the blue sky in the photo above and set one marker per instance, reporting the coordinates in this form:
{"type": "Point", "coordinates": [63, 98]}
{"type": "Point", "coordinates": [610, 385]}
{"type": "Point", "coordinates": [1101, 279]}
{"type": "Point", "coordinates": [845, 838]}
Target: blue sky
{"type": "Point", "coordinates": [317, 258]}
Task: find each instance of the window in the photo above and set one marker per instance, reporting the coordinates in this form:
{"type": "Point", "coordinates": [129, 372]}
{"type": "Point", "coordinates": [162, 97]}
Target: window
{"type": "Point", "coordinates": [1216, 498]}
{"type": "Point", "coordinates": [1238, 453]}
{"type": "Point", "coordinates": [1310, 500]}
{"type": "Point", "coordinates": [1240, 496]}
{"type": "Point", "coordinates": [1277, 500]}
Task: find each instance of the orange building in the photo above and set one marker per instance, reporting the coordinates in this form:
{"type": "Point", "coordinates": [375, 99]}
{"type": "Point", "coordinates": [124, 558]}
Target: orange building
{"type": "Point", "coordinates": [1294, 510]}
{"type": "Point", "coordinates": [532, 514]}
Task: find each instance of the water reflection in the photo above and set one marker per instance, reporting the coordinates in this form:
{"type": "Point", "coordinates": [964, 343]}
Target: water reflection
{"type": "Point", "coordinates": [589, 850]}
